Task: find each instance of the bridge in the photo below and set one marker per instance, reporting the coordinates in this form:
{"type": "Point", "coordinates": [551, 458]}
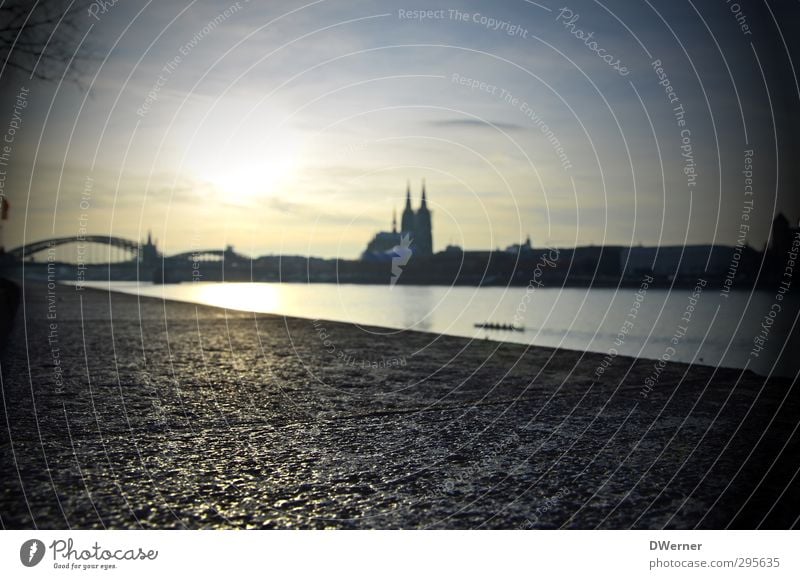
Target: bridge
{"type": "Point", "coordinates": [207, 255]}
{"type": "Point", "coordinates": [126, 250]}
{"type": "Point", "coordinates": [30, 249]}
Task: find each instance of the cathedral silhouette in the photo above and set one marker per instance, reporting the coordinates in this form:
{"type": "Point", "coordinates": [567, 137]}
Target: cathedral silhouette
{"type": "Point", "coordinates": [416, 226]}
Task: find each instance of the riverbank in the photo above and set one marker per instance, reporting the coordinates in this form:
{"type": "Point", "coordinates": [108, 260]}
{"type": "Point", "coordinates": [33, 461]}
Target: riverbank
{"type": "Point", "coordinates": [126, 412]}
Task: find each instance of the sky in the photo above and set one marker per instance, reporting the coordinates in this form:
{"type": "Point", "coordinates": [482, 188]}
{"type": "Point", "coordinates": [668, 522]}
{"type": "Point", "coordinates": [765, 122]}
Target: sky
{"type": "Point", "coordinates": [294, 127]}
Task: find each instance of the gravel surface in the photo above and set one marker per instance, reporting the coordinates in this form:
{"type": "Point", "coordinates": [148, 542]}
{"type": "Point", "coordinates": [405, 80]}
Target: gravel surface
{"type": "Point", "coordinates": [170, 415]}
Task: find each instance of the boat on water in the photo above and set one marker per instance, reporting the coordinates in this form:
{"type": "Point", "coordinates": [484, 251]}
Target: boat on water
{"type": "Point", "coordinates": [500, 327]}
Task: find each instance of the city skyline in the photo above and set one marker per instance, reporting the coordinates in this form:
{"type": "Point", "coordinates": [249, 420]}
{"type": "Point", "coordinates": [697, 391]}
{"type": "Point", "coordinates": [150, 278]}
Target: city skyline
{"type": "Point", "coordinates": [275, 147]}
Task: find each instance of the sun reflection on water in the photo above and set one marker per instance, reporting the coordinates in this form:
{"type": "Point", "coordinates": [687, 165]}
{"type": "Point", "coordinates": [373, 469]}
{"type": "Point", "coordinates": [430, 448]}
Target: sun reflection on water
{"type": "Point", "coordinates": [251, 297]}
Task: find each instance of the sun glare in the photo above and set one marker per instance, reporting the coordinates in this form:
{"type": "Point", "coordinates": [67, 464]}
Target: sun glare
{"type": "Point", "coordinates": [243, 173]}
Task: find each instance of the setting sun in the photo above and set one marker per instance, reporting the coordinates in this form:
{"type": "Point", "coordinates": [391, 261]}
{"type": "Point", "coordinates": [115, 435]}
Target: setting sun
{"type": "Point", "coordinates": [250, 167]}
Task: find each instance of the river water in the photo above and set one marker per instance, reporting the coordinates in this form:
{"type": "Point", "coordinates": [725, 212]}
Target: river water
{"type": "Point", "coordinates": [677, 325]}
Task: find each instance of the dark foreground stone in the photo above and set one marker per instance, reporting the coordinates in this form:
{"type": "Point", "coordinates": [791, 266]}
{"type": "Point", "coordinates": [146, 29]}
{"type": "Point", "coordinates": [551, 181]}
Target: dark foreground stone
{"type": "Point", "coordinates": [127, 413]}
{"type": "Point", "coordinates": [9, 302]}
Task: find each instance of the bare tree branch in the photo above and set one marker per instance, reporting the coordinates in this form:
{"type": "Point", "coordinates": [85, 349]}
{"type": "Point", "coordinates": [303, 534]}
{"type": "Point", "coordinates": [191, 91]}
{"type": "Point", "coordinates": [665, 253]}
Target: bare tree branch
{"type": "Point", "coordinates": [42, 38]}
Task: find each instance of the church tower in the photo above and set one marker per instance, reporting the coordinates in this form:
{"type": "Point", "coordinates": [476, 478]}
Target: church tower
{"type": "Point", "coordinates": [408, 221]}
{"type": "Point", "coordinates": [424, 245]}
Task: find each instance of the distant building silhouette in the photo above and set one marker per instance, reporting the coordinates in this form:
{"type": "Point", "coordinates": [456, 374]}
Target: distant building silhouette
{"type": "Point", "coordinates": [414, 224]}
{"type": "Point", "coordinates": [783, 233]}
{"type": "Point", "coordinates": [521, 248]}
{"type": "Point", "coordinates": [148, 254]}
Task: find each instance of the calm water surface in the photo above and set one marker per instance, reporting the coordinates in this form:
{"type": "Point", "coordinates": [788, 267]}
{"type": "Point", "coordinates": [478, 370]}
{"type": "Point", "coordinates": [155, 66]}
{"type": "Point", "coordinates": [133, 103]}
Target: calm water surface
{"type": "Point", "coordinates": [719, 331]}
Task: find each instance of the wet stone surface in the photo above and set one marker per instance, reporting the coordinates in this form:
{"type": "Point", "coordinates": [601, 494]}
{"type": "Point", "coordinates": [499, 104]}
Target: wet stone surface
{"type": "Point", "coordinates": [171, 415]}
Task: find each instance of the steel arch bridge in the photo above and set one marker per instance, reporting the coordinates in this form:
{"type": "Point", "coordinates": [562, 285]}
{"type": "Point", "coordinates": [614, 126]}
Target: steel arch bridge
{"type": "Point", "coordinates": [203, 255]}
{"type": "Point", "coordinates": [134, 247]}
{"type": "Point", "coordinates": [20, 253]}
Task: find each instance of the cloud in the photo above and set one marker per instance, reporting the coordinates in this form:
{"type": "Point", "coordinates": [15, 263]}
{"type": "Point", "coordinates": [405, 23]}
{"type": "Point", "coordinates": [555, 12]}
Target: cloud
{"type": "Point", "coordinates": [475, 123]}
{"type": "Point", "coordinates": [319, 214]}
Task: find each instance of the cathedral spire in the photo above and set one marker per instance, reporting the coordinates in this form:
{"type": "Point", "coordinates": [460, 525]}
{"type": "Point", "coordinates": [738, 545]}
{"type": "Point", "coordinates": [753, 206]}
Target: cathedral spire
{"type": "Point", "coordinates": [424, 230]}
{"type": "Point", "coordinates": [408, 220]}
